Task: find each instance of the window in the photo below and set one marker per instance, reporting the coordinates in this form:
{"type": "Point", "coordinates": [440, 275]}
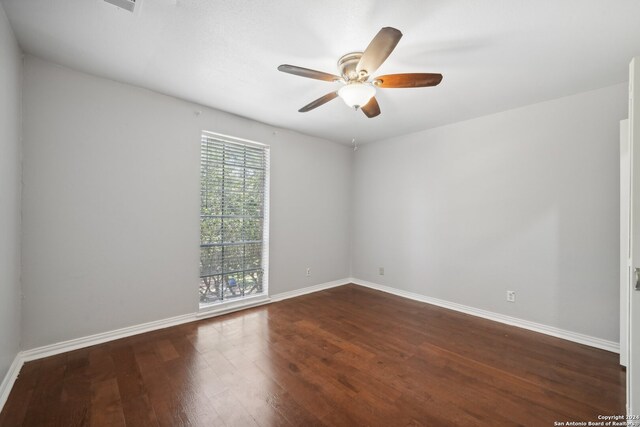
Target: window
{"type": "Point", "coordinates": [234, 184]}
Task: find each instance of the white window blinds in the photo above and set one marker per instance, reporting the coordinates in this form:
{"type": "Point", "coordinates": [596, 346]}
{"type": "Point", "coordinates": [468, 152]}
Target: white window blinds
{"type": "Point", "coordinates": [233, 218]}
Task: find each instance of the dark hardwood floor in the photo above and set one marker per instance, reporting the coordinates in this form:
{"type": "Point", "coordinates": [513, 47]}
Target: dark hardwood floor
{"type": "Point", "coordinates": [349, 356]}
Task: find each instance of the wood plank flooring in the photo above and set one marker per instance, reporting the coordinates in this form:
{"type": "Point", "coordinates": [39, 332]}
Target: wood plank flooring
{"type": "Point", "coordinates": [348, 356]}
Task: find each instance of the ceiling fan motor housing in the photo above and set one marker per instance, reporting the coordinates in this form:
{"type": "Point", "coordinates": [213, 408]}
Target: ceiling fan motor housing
{"type": "Point", "coordinates": [347, 65]}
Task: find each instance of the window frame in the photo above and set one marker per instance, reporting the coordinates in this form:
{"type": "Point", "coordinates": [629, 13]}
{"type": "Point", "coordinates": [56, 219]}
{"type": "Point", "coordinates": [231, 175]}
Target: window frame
{"type": "Point", "coordinates": [250, 299]}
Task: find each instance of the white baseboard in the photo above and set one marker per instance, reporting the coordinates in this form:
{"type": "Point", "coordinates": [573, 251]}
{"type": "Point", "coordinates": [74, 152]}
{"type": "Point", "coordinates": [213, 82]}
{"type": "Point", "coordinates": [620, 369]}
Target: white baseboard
{"type": "Point", "coordinates": [309, 289]}
{"type": "Point", "coordinates": [230, 307]}
{"type": "Point", "coordinates": [74, 344]}
{"type": "Point", "coordinates": [10, 379]}
{"type": "Point", "coordinates": [77, 343]}
{"type": "Point", "coordinates": [513, 321]}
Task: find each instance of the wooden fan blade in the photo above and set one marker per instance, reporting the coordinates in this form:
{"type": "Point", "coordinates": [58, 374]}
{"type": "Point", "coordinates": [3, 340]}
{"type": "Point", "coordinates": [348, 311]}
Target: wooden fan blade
{"type": "Point", "coordinates": [379, 49]}
{"type": "Point", "coordinates": [372, 108]}
{"type": "Point", "coordinates": [408, 80]}
{"type": "Point", "coordinates": [305, 72]}
{"type": "Point", "coordinates": [318, 102]}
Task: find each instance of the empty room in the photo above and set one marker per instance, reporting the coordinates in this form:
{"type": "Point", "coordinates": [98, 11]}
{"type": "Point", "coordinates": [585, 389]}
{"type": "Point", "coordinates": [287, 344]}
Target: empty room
{"type": "Point", "coordinates": [303, 213]}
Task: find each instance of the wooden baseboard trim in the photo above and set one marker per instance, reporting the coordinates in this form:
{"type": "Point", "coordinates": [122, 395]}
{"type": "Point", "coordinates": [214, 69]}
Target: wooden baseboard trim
{"type": "Point", "coordinates": [497, 317]}
{"type": "Point", "coordinates": [309, 290]}
{"type": "Point", "coordinates": [74, 344]}
{"type": "Point", "coordinates": [10, 378]}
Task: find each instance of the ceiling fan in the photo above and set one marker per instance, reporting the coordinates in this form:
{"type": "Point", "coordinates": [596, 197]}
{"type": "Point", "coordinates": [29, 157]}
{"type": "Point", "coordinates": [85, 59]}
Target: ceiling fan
{"type": "Point", "coordinates": [356, 68]}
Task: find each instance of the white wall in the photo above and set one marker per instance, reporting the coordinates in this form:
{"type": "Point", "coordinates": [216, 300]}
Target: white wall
{"type": "Point", "coordinates": [524, 200]}
{"type": "Point", "coordinates": [111, 204]}
{"type": "Point", "coordinates": [10, 171]}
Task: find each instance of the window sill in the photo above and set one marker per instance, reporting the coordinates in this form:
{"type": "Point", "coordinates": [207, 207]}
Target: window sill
{"type": "Point", "coordinates": [218, 309]}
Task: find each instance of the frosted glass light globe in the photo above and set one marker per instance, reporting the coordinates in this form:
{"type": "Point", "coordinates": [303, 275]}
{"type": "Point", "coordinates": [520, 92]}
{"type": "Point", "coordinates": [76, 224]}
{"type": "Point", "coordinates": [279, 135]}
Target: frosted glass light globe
{"type": "Point", "coordinates": [356, 95]}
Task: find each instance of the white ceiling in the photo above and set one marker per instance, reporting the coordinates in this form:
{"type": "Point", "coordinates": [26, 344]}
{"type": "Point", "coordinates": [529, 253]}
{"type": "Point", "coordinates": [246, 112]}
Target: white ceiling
{"type": "Point", "coordinates": [494, 54]}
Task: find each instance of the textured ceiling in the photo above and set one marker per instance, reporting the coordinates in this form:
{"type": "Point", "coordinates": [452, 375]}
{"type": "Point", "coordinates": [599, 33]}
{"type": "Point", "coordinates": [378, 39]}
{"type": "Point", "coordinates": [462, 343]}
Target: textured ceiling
{"type": "Point", "coordinates": [494, 54]}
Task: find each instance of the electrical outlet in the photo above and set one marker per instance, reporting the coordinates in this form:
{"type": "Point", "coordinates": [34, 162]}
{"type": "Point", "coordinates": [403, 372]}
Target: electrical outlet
{"type": "Point", "coordinates": [308, 271]}
{"type": "Point", "coordinates": [381, 271]}
{"type": "Point", "coordinates": [511, 296]}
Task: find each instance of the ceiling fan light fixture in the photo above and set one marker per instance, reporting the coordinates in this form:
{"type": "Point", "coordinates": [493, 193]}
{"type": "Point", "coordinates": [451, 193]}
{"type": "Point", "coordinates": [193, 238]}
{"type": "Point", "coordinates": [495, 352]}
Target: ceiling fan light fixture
{"type": "Point", "coordinates": [356, 94]}
{"type": "Point", "coordinates": [357, 68]}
